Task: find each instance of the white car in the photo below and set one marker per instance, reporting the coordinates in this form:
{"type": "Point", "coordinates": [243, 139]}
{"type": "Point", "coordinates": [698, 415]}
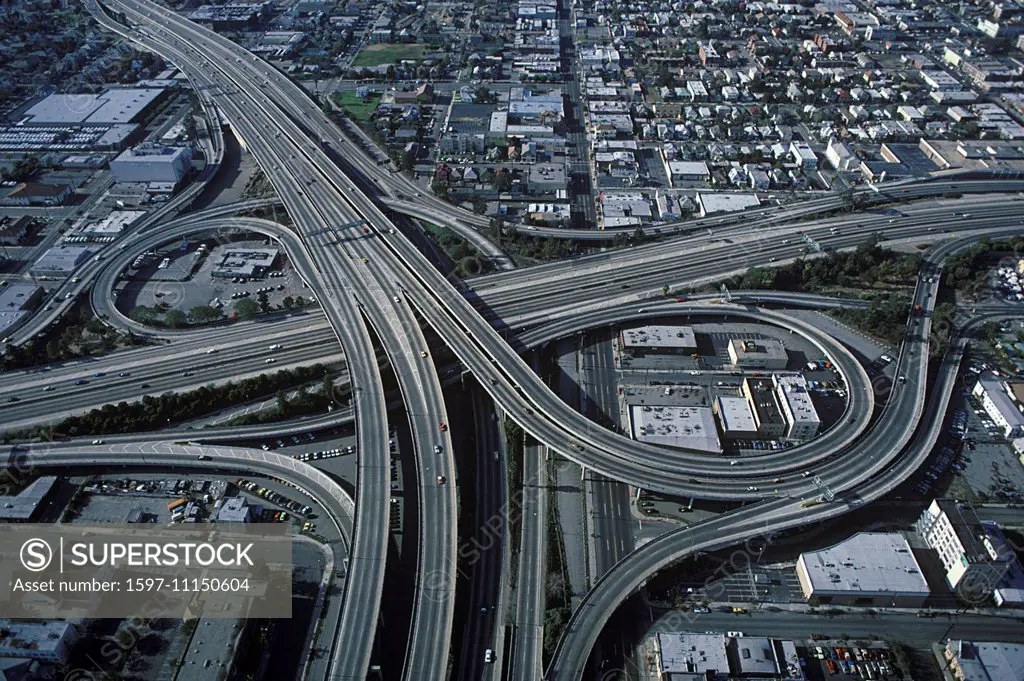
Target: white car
{"type": "Point", "coordinates": [734, 634]}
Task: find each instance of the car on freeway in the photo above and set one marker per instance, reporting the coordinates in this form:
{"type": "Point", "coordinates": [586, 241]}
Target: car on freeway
{"type": "Point", "coordinates": [97, 442]}
{"type": "Point", "coordinates": [13, 399]}
{"type": "Point", "coordinates": [81, 381]}
{"type": "Point", "coordinates": [48, 388]}
{"type": "Point", "coordinates": [488, 656]}
{"type": "Point", "coordinates": [441, 479]}
{"type": "Point", "coordinates": [734, 634]}
{"type": "Point", "coordinates": [423, 353]}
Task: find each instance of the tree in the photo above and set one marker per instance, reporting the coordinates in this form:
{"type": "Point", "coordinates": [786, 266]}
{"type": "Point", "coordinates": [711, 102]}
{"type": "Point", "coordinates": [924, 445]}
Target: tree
{"type": "Point", "coordinates": [282, 403]}
{"type": "Point", "coordinates": [502, 180]}
{"type": "Point", "coordinates": [247, 308]}
{"type": "Point", "coordinates": [175, 319]}
{"type": "Point", "coordinates": [665, 289]}
{"type": "Point", "coordinates": [264, 301]}
{"type": "Point", "coordinates": [204, 314]}
{"type": "Point", "coordinates": [288, 302]}
{"type": "Point", "coordinates": [479, 205]}
{"type": "Point", "coordinates": [143, 314]}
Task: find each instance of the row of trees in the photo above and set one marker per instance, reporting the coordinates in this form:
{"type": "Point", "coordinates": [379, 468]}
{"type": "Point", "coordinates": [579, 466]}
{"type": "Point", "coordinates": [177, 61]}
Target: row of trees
{"type": "Point", "coordinates": [79, 335]}
{"type": "Point", "coordinates": [869, 267]}
{"type": "Point", "coordinates": [156, 411]}
{"type": "Point", "coordinates": [244, 309]}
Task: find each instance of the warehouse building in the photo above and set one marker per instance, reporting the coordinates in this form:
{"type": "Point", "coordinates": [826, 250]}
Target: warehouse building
{"type": "Point", "coordinates": [735, 418]}
{"type": "Point", "coordinates": [112, 106]}
{"type": "Point", "coordinates": [147, 163]}
{"type": "Point", "coordinates": [757, 354]}
{"type": "Point", "coordinates": [109, 227]}
{"type": "Point", "coordinates": [998, 401]}
{"type": "Point", "coordinates": [760, 395]}
{"type": "Point", "coordinates": [46, 641]}
{"type": "Point", "coordinates": [658, 339]}
{"type": "Point", "coordinates": [13, 231]}
{"type": "Point", "coordinates": [688, 171]}
{"type": "Point", "coordinates": [984, 660]}
{"type": "Point", "coordinates": [797, 406]}
{"type": "Point", "coordinates": [26, 505]}
{"type": "Point", "coordinates": [35, 194]}
{"type": "Point", "coordinates": [869, 568]}
{"type": "Point", "coordinates": [709, 203]}
{"type": "Point", "coordinates": [16, 300]}
{"type": "Point", "coordinates": [972, 560]}
{"type": "Point", "coordinates": [686, 656]}
{"type": "Point", "coordinates": [235, 510]}
{"type": "Point", "coordinates": [248, 263]}
{"type": "Point", "coordinates": [681, 427]}
{"type": "Point", "coordinates": [709, 656]}
{"type": "Point", "coordinates": [60, 261]}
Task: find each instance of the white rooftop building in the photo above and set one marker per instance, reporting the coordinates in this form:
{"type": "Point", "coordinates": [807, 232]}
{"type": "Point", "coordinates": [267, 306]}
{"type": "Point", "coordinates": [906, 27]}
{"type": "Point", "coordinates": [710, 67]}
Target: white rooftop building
{"type": "Point", "coordinates": [999, 404]}
{"type": "Point", "coordinates": [114, 105]}
{"type": "Point", "coordinates": [686, 655]}
{"type": "Point", "coordinates": [762, 353]}
{"type": "Point", "coordinates": [734, 417]}
{"type": "Point", "coordinates": [797, 406]}
{"type": "Point", "coordinates": [869, 568]}
{"type": "Point", "coordinates": [235, 510]}
{"type": "Point", "coordinates": [710, 203]}
{"type": "Point", "coordinates": [51, 641]}
{"type": "Point", "coordinates": [152, 164]}
{"type": "Point", "coordinates": [656, 338]}
{"type": "Point", "coordinates": [974, 563]}
{"type": "Point", "coordinates": [681, 427]}
{"type": "Point", "coordinates": [985, 661]}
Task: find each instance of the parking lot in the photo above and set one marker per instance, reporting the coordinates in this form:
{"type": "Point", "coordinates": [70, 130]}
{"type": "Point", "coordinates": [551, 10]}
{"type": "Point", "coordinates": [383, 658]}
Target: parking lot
{"type": "Point", "coordinates": [180, 276]}
{"type": "Point", "coordinates": [844, 661]}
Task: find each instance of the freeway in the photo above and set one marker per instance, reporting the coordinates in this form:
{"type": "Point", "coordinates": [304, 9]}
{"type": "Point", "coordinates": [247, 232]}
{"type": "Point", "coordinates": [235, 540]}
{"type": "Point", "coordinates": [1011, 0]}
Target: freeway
{"type": "Point", "coordinates": [484, 556]}
{"type": "Point", "coordinates": [350, 653]}
{"type": "Point", "coordinates": [311, 189]}
{"type": "Point", "coordinates": [525, 663]}
{"type": "Point", "coordinates": [42, 399]}
{"type": "Point", "coordinates": [472, 339]}
{"type": "Point", "coordinates": [887, 469]}
{"type": "Point", "coordinates": [968, 181]}
{"type": "Point", "coordinates": [768, 295]}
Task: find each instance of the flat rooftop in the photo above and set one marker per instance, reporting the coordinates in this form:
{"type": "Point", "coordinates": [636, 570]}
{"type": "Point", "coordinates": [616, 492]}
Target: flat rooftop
{"type": "Point", "coordinates": [755, 656]}
{"type": "Point", "coordinates": [734, 415]}
{"type": "Point", "coordinates": [114, 105]}
{"type": "Point", "coordinates": [659, 336]}
{"type": "Point", "coordinates": [685, 653]}
{"type": "Point", "coordinates": [794, 390]}
{"type": "Point", "coordinates": [869, 562]}
{"type": "Point", "coordinates": [114, 223]}
{"type": "Point", "coordinates": [726, 203]}
{"type": "Point", "coordinates": [763, 399]}
{"type": "Point", "coordinates": [21, 506]}
{"type": "Point", "coordinates": [761, 349]}
{"type": "Point", "coordinates": [681, 427]}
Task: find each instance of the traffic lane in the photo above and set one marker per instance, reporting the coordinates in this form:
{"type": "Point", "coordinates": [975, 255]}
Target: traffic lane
{"type": "Point", "coordinates": [68, 401]}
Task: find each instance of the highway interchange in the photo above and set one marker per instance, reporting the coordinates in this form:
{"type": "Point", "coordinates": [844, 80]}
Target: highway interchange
{"type": "Point", "coordinates": [376, 285]}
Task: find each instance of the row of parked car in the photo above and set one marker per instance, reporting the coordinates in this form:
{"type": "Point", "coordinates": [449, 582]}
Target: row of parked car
{"type": "Point", "coordinates": [274, 497]}
{"type": "Point", "coordinates": [870, 663]}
